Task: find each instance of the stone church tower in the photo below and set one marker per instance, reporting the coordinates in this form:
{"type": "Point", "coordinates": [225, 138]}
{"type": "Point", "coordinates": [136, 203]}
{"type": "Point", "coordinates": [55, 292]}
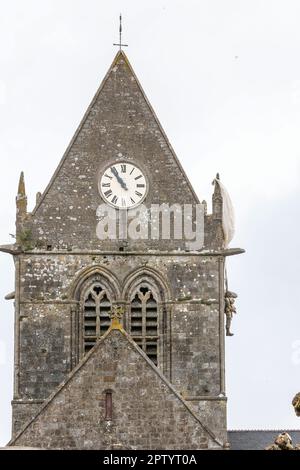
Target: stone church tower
{"type": "Point", "coordinates": [86, 375]}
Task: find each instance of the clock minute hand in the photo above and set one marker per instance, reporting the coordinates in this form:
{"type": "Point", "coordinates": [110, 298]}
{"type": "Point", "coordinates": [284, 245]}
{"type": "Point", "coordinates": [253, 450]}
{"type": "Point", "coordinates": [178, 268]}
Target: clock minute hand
{"type": "Point", "coordinates": [120, 180]}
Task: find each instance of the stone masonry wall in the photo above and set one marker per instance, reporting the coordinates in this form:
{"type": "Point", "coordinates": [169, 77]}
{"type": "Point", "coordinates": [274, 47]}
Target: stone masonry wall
{"type": "Point", "coordinates": [62, 250]}
{"type": "Point", "coordinates": [47, 286]}
{"type": "Point", "coordinates": [146, 414]}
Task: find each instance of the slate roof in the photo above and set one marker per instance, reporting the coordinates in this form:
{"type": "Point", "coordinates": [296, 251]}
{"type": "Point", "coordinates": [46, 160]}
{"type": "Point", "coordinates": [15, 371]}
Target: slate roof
{"type": "Point", "coordinates": [258, 439]}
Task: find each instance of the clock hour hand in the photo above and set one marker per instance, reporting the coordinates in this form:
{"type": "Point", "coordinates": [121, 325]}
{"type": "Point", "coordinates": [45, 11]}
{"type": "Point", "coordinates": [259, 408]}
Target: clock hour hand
{"type": "Point", "coordinates": [120, 180]}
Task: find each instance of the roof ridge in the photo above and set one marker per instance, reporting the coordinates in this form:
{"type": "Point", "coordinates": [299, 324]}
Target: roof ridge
{"type": "Point", "coordinates": [87, 357]}
{"type": "Point", "coordinates": [119, 54]}
{"type": "Point", "coordinates": [69, 376]}
{"type": "Point", "coordinates": [73, 139]}
{"type": "Point", "coordinates": [160, 127]}
{"type": "Point", "coordinates": [169, 385]}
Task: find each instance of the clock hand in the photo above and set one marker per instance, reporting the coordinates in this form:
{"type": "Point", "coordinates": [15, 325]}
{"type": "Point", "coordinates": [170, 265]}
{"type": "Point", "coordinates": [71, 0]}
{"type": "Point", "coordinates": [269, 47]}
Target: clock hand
{"type": "Point", "coordinates": [119, 179]}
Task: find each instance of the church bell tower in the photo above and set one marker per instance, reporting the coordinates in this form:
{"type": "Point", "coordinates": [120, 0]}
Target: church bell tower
{"type": "Point", "coordinates": [119, 327]}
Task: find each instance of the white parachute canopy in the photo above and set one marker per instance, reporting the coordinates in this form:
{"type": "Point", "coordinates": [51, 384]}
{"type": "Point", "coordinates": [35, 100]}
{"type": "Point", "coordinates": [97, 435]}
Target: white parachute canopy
{"type": "Point", "coordinates": [228, 221]}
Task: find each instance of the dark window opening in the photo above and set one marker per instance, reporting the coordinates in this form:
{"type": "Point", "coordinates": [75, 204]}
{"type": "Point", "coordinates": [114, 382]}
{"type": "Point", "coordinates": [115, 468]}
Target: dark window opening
{"type": "Point", "coordinates": [108, 405]}
{"type": "Point", "coordinates": [97, 289]}
{"type": "Point", "coordinates": [144, 290]}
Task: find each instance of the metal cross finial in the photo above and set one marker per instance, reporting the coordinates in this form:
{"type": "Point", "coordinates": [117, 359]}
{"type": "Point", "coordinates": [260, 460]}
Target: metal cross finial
{"type": "Point", "coordinates": [120, 36]}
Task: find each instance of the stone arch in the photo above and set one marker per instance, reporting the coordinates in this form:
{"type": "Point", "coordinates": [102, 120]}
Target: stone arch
{"type": "Point", "coordinates": [100, 273]}
{"type": "Point", "coordinates": [152, 276]}
{"type": "Point", "coordinates": [94, 290]}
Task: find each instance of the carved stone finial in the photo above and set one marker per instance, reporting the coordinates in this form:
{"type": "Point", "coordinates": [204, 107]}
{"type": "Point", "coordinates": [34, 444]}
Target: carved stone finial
{"type": "Point", "coordinates": [217, 200]}
{"type": "Point", "coordinates": [296, 404]}
{"type": "Point", "coordinates": [116, 314]}
{"type": "Point", "coordinates": [38, 197]}
{"type": "Point", "coordinates": [21, 207]}
{"type": "Point", "coordinates": [21, 186]}
{"type": "Point", "coordinates": [21, 199]}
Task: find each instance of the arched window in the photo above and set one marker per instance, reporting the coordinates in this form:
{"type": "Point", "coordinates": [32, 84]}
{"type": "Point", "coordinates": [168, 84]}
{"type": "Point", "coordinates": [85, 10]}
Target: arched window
{"type": "Point", "coordinates": [96, 319]}
{"type": "Point", "coordinates": [144, 321]}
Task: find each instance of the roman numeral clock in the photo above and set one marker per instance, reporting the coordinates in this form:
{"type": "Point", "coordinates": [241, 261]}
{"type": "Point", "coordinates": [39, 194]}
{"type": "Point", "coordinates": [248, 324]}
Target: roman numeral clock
{"type": "Point", "coordinates": [123, 185]}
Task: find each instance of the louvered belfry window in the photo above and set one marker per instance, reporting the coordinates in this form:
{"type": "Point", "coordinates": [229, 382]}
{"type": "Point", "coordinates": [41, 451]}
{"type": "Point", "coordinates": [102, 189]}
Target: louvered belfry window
{"type": "Point", "coordinates": [97, 307]}
{"type": "Point", "coordinates": [144, 322]}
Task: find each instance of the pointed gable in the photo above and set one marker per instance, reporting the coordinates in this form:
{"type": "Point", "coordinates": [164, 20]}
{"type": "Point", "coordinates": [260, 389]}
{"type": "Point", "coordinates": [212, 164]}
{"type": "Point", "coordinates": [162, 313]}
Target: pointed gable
{"type": "Point", "coordinates": [147, 412]}
{"type": "Point", "coordinates": [120, 124]}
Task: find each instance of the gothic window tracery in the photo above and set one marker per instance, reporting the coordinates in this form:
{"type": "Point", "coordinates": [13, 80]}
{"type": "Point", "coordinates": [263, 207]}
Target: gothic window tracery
{"type": "Point", "coordinates": [96, 319]}
{"type": "Point", "coordinates": [144, 321]}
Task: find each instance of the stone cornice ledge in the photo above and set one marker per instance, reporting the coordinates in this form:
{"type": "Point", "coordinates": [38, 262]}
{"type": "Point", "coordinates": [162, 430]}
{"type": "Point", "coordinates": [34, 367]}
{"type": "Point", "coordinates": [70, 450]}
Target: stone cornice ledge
{"type": "Point", "coordinates": [27, 401]}
{"type": "Point", "coordinates": [205, 398]}
{"type": "Point", "coordinates": [226, 252]}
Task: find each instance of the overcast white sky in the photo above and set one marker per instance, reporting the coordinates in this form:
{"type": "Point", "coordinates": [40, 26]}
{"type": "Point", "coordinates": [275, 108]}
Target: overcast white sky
{"type": "Point", "coordinates": [224, 79]}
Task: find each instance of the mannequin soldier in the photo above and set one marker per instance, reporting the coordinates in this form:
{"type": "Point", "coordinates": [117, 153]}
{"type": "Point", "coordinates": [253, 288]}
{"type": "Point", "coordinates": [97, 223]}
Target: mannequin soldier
{"type": "Point", "coordinates": [229, 309]}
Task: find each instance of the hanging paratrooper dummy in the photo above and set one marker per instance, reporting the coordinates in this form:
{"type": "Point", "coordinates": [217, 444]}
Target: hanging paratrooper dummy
{"type": "Point", "coordinates": [230, 309]}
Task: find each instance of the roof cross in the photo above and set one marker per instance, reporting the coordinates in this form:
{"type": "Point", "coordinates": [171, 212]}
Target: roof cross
{"type": "Point", "coordinates": [120, 36]}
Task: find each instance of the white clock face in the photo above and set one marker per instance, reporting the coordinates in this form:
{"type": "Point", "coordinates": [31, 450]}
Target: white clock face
{"type": "Point", "coordinates": [123, 185]}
